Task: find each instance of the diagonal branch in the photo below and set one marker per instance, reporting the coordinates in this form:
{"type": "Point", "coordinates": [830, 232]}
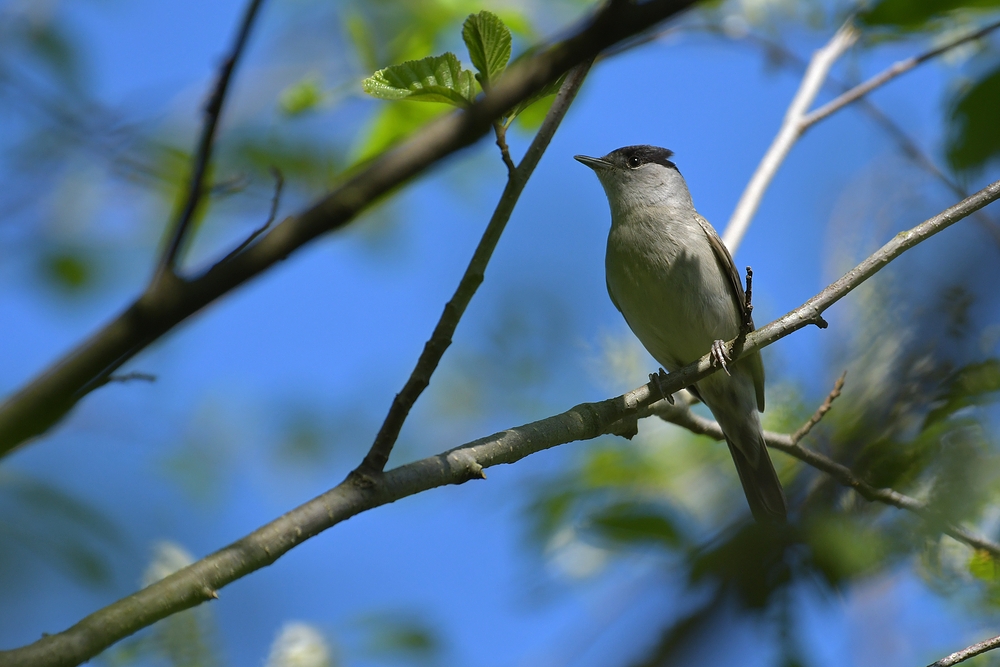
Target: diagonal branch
{"type": "Point", "coordinates": [789, 444]}
{"type": "Point", "coordinates": [43, 401]}
{"type": "Point", "coordinates": [440, 340]}
{"type": "Point", "coordinates": [887, 75]}
{"type": "Point", "coordinates": [789, 133]}
{"type": "Point", "coordinates": [797, 121]}
{"type": "Point", "coordinates": [203, 155]}
{"type": "Point", "coordinates": [966, 653]}
{"type": "Point", "coordinates": [200, 581]}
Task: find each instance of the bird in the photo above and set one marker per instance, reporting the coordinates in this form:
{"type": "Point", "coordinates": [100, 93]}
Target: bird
{"type": "Point", "coordinates": [674, 281]}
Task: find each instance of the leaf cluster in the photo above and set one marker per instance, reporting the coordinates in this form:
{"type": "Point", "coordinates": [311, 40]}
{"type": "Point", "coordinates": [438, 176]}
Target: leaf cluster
{"type": "Point", "coordinates": [444, 80]}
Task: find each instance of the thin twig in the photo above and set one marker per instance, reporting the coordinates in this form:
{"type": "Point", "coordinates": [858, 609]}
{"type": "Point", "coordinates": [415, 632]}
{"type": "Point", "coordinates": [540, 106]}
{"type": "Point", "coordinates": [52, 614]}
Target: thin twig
{"type": "Point", "coordinates": [440, 340]}
{"type": "Point", "coordinates": [821, 411]}
{"type": "Point", "coordinates": [789, 133]}
{"type": "Point", "coordinates": [681, 415]}
{"type": "Point", "coordinates": [889, 74]}
{"type": "Point", "coordinates": [501, 134]}
{"type": "Point", "coordinates": [40, 403]}
{"type": "Point", "coordinates": [203, 154]}
{"type": "Point", "coordinates": [198, 582]}
{"type": "Point", "coordinates": [130, 377]}
{"type": "Point", "coordinates": [279, 183]}
{"type": "Point", "coordinates": [966, 653]}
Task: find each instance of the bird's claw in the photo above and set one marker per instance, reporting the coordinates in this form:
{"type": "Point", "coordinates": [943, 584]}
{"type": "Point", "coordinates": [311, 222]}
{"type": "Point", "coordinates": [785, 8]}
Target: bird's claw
{"type": "Point", "coordinates": [720, 356]}
{"type": "Point", "coordinates": [657, 380]}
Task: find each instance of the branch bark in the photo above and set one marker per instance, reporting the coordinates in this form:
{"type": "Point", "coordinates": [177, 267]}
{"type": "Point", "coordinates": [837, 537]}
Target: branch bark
{"type": "Point", "coordinates": [200, 581]}
{"type": "Point", "coordinates": [966, 653]}
{"type": "Point", "coordinates": [440, 340]}
{"type": "Point", "coordinates": [41, 403]}
{"type": "Point", "coordinates": [789, 133]}
{"type": "Point", "coordinates": [797, 121]}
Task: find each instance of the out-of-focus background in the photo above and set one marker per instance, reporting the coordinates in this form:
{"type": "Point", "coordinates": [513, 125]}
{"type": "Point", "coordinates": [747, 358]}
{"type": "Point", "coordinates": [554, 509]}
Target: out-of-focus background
{"type": "Point", "coordinates": [600, 553]}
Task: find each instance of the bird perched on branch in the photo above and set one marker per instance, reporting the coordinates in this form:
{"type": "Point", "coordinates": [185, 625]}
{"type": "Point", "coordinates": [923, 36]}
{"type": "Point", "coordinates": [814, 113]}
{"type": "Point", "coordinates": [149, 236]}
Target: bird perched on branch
{"type": "Point", "coordinates": [674, 281]}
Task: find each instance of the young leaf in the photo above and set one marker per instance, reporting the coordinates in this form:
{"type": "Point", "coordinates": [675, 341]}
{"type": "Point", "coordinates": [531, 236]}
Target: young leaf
{"type": "Point", "coordinates": [488, 40]}
{"type": "Point", "coordinates": [300, 97]}
{"type": "Point", "coordinates": [550, 89]}
{"type": "Point", "coordinates": [431, 79]}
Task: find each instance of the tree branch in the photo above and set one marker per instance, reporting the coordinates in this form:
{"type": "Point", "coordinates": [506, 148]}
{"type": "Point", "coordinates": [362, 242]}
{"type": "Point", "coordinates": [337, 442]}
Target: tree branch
{"type": "Point", "coordinates": [788, 134]}
{"type": "Point", "coordinates": [797, 121]}
{"type": "Point", "coordinates": [681, 415]}
{"type": "Point", "coordinates": [966, 653]}
{"type": "Point", "coordinates": [203, 155]}
{"type": "Point", "coordinates": [41, 403]}
{"type": "Point", "coordinates": [887, 75]}
{"type": "Point", "coordinates": [440, 340]}
{"type": "Point", "coordinates": [201, 580]}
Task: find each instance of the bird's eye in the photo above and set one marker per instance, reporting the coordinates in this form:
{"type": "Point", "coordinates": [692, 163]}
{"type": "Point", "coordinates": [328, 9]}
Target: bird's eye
{"type": "Point", "coordinates": [634, 162]}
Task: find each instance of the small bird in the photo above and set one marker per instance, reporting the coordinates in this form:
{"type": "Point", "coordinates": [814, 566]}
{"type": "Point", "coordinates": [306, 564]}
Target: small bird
{"type": "Point", "coordinates": [674, 281]}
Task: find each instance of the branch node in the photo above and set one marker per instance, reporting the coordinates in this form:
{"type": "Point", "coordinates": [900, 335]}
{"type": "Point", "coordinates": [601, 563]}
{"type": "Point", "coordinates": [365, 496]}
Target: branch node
{"type": "Point", "coordinates": [210, 593]}
{"type": "Point", "coordinates": [820, 322]}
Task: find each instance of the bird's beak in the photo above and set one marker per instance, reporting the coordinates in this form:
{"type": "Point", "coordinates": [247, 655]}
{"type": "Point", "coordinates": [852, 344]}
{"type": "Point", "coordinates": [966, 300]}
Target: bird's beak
{"type": "Point", "coordinates": [594, 163]}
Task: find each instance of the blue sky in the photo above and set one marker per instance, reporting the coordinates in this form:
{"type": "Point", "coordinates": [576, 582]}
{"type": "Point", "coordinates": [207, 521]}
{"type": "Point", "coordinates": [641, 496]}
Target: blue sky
{"type": "Point", "coordinates": [337, 328]}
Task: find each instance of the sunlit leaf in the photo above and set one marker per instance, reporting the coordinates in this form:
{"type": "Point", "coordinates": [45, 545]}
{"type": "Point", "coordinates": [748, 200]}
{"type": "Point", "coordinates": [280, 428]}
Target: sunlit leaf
{"type": "Point", "coordinates": [394, 123]}
{"type": "Point", "coordinates": [974, 139]}
{"type": "Point", "coordinates": [983, 566]}
{"type": "Point", "coordinates": [301, 96]}
{"type": "Point", "coordinates": [488, 40]}
{"type": "Point", "coordinates": [432, 79]}
{"type": "Point", "coordinates": [550, 89]}
{"type": "Point", "coordinates": [363, 40]}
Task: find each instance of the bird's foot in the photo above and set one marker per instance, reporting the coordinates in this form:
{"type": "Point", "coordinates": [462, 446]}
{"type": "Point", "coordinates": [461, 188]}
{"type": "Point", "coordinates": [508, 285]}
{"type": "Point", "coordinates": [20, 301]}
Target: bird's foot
{"type": "Point", "coordinates": [657, 380]}
{"type": "Point", "coordinates": [720, 356]}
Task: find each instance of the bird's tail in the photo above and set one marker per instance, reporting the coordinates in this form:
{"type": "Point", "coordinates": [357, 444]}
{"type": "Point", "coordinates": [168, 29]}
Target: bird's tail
{"type": "Point", "coordinates": [761, 486]}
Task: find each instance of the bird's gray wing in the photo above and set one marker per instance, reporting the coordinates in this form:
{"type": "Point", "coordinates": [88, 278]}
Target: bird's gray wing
{"type": "Point", "coordinates": [753, 361]}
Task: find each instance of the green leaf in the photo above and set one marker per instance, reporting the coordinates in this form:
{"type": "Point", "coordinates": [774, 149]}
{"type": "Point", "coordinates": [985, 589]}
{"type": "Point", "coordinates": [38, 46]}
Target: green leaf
{"type": "Point", "coordinates": [69, 270]}
{"type": "Point", "coordinates": [300, 97]}
{"type": "Point", "coordinates": [551, 89]}
{"type": "Point", "coordinates": [394, 123]}
{"type": "Point", "coordinates": [913, 14]}
{"type": "Point", "coordinates": [488, 40]}
{"type": "Point", "coordinates": [432, 79]}
{"type": "Point", "coordinates": [629, 522]}
{"type": "Point", "coordinates": [975, 133]}
{"type": "Point", "coordinates": [982, 566]}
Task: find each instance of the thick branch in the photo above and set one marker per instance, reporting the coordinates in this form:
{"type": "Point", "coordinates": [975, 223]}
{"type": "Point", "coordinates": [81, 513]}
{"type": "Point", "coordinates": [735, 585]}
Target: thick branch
{"type": "Point", "coordinates": [966, 653]}
{"type": "Point", "coordinates": [440, 340]}
{"type": "Point", "coordinates": [362, 491]}
{"type": "Point", "coordinates": [42, 402]}
{"type": "Point", "coordinates": [203, 154]}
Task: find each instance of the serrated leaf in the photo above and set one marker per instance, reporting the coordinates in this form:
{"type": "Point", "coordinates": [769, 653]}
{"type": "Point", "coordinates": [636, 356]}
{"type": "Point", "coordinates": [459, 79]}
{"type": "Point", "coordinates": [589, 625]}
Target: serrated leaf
{"type": "Point", "coordinates": [975, 133]}
{"type": "Point", "coordinates": [431, 79]}
{"type": "Point", "coordinates": [488, 41]}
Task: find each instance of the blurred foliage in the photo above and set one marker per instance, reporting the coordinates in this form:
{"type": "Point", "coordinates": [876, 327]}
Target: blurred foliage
{"type": "Point", "coordinates": [39, 522]}
{"type": "Point", "coordinates": [914, 415]}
